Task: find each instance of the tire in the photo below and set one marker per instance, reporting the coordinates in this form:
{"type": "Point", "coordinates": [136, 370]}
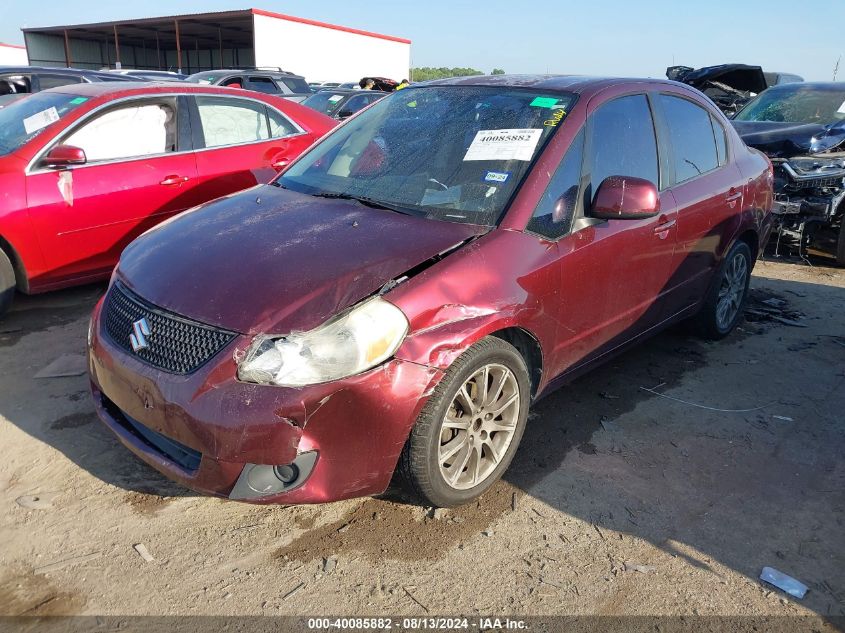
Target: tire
{"type": "Point", "coordinates": [7, 283]}
{"type": "Point", "coordinates": [479, 428]}
{"type": "Point", "coordinates": [716, 320]}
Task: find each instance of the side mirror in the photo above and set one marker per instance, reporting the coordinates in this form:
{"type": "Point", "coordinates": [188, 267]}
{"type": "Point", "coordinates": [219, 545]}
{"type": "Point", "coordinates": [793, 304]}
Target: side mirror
{"type": "Point", "coordinates": [345, 114]}
{"type": "Point", "coordinates": [625, 198]}
{"type": "Point", "coordinates": [64, 156]}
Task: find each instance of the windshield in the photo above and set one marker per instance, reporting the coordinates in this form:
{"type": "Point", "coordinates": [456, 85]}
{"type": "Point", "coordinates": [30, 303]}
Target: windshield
{"type": "Point", "coordinates": [324, 101]}
{"type": "Point", "coordinates": [454, 153]}
{"type": "Point", "coordinates": [23, 120]}
{"type": "Point", "coordinates": [796, 103]}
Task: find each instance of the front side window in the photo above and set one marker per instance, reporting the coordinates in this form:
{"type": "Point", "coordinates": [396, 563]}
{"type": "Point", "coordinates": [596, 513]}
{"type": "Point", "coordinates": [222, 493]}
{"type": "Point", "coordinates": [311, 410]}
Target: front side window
{"type": "Point", "coordinates": [691, 135]}
{"type": "Point", "coordinates": [130, 131]}
{"type": "Point", "coordinates": [227, 121]}
{"type": "Point", "coordinates": [622, 142]}
{"type": "Point", "coordinates": [553, 216]}
{"type": "Point", "coordinates": [452, 153]}
{"type": "Point", "coordinates": [262, 84]}
{"type": "Point", "coordinates": [23, 120]}
{"type": "Point", "coordinates": [356, 103]}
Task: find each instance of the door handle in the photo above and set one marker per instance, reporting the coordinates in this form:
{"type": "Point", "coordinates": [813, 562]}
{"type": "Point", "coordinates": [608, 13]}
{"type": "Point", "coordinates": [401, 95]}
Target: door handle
{"type": "Point", "coordinates": [664, 225]}
{"type": "Point", "coordinates": [733, 194]}
{"type": "Point", "coordinates": [280, 163]}
{"type": "Point", "coordinates": [174, 179]}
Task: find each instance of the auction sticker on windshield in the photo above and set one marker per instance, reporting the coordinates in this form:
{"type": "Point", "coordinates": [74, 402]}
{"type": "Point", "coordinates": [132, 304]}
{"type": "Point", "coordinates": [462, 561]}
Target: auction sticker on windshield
{"type": "Point", "coordinates": [40, 120]}
{"type": "Point", "coordinates": [503, 145]}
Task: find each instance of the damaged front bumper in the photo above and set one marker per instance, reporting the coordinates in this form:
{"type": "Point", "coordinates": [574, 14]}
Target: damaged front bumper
{"type": "Point", "coordinates": [258, 443]}
{"type": "Point", "coordinates": [809, 202]}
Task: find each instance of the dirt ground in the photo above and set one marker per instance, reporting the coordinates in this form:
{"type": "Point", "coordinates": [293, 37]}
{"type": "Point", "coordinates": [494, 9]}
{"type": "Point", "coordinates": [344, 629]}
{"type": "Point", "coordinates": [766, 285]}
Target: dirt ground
{"type": "Point", "coordinates": [620, 501]}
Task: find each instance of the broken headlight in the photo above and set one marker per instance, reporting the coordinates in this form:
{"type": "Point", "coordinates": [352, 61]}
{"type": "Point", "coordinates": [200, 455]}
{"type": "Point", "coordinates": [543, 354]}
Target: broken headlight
{"type": "Point", "coordinates": [348, 344]}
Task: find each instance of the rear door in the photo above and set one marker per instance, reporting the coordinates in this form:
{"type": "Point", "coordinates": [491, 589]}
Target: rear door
{"type": "Point", "coordinates": [140, 171]}
{"type": "Point", "coordinates": [242, 141]}
{"type": "Point", "coordinates": [707, 187]}
{"type": "Point", "coordinates": [614, 273]}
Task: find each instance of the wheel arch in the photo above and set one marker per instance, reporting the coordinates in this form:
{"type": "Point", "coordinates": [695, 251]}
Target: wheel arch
{"type": "Point", "coordinates": [21, 278]}
{"type": "Point", "coordinates": [529, 348]}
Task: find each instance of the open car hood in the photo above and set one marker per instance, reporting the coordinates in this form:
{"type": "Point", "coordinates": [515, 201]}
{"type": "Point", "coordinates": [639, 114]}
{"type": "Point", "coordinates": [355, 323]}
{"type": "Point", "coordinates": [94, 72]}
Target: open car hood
{"type": "Point", "coordinates": [740, 77]}
{"type": "Point", "coordinates": [272, 260]}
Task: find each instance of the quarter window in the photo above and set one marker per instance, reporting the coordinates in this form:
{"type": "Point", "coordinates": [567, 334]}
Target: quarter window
{"type": "Point", "coordinates": [279, 124]}
{"type": "Point", "coordinates": [622, 142]}
{"type": "Point", "coordinates": [262, 84]}
{"type": "Point", "coordinates": [55, 81]}
{"type": "Point", "coordinates": [553, 216]}
{"type": "Point", "coordinates": [721, 140]}
{"type": "Point", "coordinates": [131, 131]}
{"type": "Point", "coordinates": [691, 134]}
{"type": "Point", "coordinates": [227, 121]}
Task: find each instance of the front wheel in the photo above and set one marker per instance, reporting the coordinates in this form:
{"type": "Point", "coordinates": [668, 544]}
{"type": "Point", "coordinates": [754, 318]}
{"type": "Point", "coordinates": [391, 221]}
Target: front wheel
{"type": "Point", "coordinates": [7, 283]}
{"type": "Point", "coordinates": [469, 430]}
{"type": "Point", "coordinates": [724, 303]}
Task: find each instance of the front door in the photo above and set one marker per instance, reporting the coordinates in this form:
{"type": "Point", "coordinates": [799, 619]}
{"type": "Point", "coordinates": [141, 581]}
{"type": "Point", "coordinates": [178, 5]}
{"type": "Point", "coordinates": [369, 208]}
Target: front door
{"type": "Point", "coordinates": [614, 274]}
{"type": "Point", "coordinates": [138, 173]}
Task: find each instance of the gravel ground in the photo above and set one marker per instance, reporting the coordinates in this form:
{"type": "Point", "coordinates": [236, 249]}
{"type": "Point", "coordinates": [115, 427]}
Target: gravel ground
{"type": "Point", "coordinates": [620, 501]}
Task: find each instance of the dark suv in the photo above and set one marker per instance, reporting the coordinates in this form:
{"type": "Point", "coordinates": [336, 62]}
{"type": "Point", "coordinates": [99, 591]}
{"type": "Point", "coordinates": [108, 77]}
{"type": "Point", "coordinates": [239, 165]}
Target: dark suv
{"type": "Point", "coordinates": [269, 81]}
{"type": "Point", "coordinates": [26, 79]}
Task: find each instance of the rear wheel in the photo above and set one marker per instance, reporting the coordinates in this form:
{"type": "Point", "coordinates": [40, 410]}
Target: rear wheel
{"type": "Point", "coordinates": [7, 283]}
{"type": "Point", "coordinates": [470, 428]}
{"type": "Point", "coordinates": [723, 306]}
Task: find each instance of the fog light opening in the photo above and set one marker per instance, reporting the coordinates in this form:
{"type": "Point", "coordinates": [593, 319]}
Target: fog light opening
{"type": "Point", "coordinates": [287, 474]}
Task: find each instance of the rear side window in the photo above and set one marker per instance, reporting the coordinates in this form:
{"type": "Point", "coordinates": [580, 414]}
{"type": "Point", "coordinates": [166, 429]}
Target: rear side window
{"type": "Point", "coordinates": [358, 102]}
{"type": "Point", "coordinates": [227, 121]}
{"type": "Point", "coordinates": [622, 142]}
{"type": "Point", "coordinates": [262, 84]}
{"type": "Point", "coordinates": [553, 216]}
{"type": "Point", "coordinates": [295, 85]}
{"type": "Point", "coordinates": [55, 81]}
{"type": "Point", "coordinates": [721, 141]}
{"type": "Point", "coordinates": [131, 131]}
{"type": "Point", "coordinates": [691, 134]}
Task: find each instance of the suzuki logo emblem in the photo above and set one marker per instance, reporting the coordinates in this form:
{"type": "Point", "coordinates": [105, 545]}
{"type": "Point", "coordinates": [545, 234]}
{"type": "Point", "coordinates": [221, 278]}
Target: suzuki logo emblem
{"type": "Point", "coordinates": [140, 332]}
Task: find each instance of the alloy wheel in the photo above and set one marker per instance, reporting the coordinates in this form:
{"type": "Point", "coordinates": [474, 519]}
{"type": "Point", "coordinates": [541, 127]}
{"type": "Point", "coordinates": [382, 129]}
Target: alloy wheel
{"type": "Point", "coordinates": [731, 291]}
{"type": "Point", "coordinates": [479, 426]}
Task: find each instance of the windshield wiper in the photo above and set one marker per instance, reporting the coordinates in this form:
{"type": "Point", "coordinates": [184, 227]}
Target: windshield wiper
{"type": "Point", "coordinates": [369, 202]}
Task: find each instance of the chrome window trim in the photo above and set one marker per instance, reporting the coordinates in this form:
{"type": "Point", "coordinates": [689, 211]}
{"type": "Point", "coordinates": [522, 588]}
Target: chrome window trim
{"type": "Point", "coordinates": [32, 170]}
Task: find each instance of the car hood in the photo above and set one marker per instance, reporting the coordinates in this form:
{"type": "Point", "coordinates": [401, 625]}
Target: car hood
{"type": "Point", "coordinates": [776, 139]}
{"type": "Point", "coordinates": [740, 77]}
{"type": "Point", "coordinates": [275, 261]}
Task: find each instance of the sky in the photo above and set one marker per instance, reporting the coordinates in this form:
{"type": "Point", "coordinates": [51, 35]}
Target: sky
{"type": "Point", "coordinates": [602, 37]}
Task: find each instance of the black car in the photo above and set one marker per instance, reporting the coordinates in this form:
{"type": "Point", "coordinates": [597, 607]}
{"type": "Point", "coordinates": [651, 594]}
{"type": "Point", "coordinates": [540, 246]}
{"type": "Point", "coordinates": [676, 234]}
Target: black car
{"type": "Point", "coordinates": [269, 81]}
{"type": "Point", "coordinates": [340, 104]}
{"type": "Point", "coordinates": [16, 80]}
{"type": "Point", "coordinates": [151, 75]}
{"type": "Point", "coordinates": [801, 127]}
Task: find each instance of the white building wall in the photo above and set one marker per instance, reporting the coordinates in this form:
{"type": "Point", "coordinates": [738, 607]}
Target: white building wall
{"type": "Point", "coordinates": [12, 56]}
{"type": "Point", "coordinates": [325, 54]}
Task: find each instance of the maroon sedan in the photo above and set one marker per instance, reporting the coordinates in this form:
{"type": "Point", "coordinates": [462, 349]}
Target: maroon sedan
{"type": "Point", "coordinates": [404, 291]}
{"type": "Point", "coordinates": [87, 168]}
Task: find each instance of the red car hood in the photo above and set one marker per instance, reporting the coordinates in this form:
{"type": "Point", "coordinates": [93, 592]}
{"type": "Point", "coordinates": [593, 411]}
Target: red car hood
{"type": "Point", "coordinates": [274, 261]}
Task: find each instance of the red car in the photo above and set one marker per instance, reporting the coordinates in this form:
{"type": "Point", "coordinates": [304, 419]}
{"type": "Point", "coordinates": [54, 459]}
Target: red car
{"type": "Point", "coordinates": [412, 283]}
{"type": "Point", "coordinates": [85, 169]}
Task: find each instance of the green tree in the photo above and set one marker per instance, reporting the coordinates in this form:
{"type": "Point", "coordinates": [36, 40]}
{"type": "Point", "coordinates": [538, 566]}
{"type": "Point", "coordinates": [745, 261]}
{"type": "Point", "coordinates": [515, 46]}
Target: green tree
{"type": "Point", "coordinates": [498, 71]}
{"type": "Point", "coordinates": [426, 73]}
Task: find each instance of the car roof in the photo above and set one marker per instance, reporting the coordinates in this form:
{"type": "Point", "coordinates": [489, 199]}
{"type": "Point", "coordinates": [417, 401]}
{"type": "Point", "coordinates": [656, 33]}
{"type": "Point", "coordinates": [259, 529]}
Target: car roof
{"type": "Point", "coordinates": [229, 71]}
{"type": "Point", "coordinates": [53, 70]}
{"type": "Point", "coordinates": [140, 88]}
{"type": "Point", "coordinates": [552, 83]}
{"type": "Point", "coordinates": [824, 86]}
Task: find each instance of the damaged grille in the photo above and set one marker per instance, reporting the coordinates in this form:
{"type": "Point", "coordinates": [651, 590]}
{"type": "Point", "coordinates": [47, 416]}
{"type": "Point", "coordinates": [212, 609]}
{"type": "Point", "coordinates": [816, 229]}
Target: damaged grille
{"type": "Point", "coordinates": [174, 344]}
{"type": "Point", "coordinates": [817, 183]}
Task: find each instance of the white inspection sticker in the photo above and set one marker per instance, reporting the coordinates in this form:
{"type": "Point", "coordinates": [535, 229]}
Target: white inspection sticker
{"type": "Point", "coordinates": [335, 98]}
{"type": "Point", "coordinates": [503, 145]}
{"type": "Point", "coordinates": [40, 120]}
{"type": "Point", "coordinates": [841, 109]}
